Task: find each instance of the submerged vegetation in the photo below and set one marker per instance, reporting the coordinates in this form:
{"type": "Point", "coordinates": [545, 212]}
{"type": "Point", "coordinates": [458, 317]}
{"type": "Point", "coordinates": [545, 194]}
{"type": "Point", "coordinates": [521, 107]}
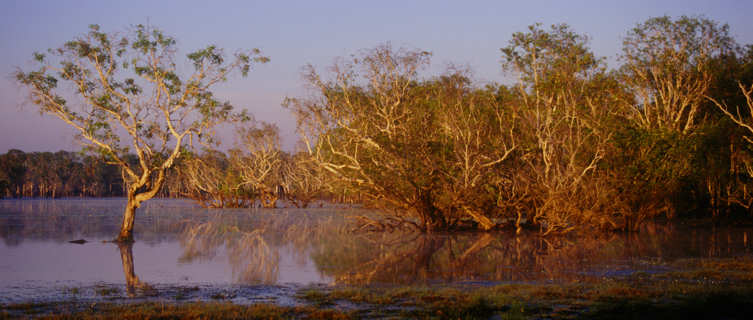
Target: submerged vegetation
{"type": "Point", "coordinates": [570, 145]}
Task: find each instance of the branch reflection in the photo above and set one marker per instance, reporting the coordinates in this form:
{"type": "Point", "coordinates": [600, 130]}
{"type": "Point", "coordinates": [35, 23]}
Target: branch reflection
{"type": "Point", "coordinates": [253, 241]}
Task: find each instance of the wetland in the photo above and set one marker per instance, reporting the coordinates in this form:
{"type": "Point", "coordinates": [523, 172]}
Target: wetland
{"type": "Point", "coordinates": [300, 262]}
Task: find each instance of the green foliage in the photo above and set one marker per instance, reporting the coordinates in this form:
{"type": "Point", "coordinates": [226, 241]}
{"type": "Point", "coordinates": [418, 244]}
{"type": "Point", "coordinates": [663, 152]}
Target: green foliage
{"type": "Point", "coordinates": [669, 67]}
{"type": "Point", "coordinates": [549, 59]}
{"type": "Point", "coordinates": [134, 97]}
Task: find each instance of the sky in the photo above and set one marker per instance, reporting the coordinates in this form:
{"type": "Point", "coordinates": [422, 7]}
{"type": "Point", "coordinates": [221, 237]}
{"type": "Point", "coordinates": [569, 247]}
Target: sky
{"type": "Point", "coordinates": [296, 33]}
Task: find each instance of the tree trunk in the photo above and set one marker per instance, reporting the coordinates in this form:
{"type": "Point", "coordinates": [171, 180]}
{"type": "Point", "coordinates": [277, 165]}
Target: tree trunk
{"type": "Point", "coordinates": [126, 229]}
{"type": "Point", "coordinates": [135, 198]}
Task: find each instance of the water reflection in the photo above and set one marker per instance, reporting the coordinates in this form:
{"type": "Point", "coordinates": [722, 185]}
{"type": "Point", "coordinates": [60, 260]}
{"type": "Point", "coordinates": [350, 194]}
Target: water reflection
{"type": "Point", "coordinates": [178, 244]}
{"type": "Point", "coordinates": [252, 259]}
{"type": "Point", "coordinates": [423, 258]}
{"type": "Point", "coordinates": [62, 220]}
{"type": "Point", "coordinates": [253, 241]}
{"type": "Point", "coordinates": [132, 280]}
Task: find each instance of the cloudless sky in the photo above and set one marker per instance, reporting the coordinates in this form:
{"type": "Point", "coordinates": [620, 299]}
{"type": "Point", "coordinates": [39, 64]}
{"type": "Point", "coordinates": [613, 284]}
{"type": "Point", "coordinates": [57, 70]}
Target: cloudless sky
{"type": "Point", "coordinates": [296, 33]}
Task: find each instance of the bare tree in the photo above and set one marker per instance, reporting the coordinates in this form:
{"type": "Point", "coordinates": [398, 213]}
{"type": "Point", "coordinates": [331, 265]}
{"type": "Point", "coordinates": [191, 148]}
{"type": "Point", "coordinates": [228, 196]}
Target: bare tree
{"type": "Point", "coordinates": [129, 96]}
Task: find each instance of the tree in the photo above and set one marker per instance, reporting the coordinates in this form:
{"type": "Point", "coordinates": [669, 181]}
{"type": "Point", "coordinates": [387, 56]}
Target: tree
{"type": "Point", "coordinates": [129, 96]}
{"type": "Point", "coordinates": [214, 182]}
{"type": "Point", "coordinates": [424, 150]}
{"type": "Point", "coordinates": [12, 172]}
{"type": "Point", "coordinates": [561, 100]}
{"type": "Point", "coordinates": [666, 65]}
{"type": "Point", "coordinates": [302, 180]}
{"type": "Point", "coordinates": [732, 96]}
{"type": "Point", "coordinates": [259, 162]}
{"type": "Point", "coordinates": [739, 116]}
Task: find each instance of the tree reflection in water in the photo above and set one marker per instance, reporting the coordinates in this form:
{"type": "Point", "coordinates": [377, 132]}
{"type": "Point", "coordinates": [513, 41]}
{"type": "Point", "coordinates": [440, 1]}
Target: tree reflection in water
{"type": "Point", "coordinates": [408, 258]}
{"type": "Point", "coordinates": [250, 256]}
{"type": "Point", "coordinates": [255, 241]}
{"type": "Point", "coordinates": [132, 280]}
{"type": "Point", "coordinates": [252, 241]}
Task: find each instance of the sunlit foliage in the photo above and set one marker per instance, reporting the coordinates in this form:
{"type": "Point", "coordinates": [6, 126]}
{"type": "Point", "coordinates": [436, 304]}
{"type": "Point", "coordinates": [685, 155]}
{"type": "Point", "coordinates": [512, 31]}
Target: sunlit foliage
{"type": "Point", "coordinates": [126, 94]}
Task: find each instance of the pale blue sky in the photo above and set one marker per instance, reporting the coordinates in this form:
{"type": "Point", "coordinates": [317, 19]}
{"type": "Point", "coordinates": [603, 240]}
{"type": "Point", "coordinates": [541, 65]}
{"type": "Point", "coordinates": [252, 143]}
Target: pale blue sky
{"type": "Point", "coordinates": [294, 33]}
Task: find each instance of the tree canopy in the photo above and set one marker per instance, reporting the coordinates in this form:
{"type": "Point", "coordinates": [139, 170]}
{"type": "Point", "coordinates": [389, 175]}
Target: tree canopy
{"type": "Point", "coordinates": [126, 94]}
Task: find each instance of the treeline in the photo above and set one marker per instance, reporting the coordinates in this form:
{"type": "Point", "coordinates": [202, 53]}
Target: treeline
{"type": "Point", "coordinates": [59, 174]}
{"type": "Point", "coordinates": [571, 145]}
{"type": "Point", "coordinates": [67, 174]}
{"type": "Point", "coordinates": [257, 175]}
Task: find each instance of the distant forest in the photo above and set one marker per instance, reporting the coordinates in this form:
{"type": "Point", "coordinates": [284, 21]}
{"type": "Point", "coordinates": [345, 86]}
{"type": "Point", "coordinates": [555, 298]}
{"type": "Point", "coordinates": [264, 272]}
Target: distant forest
{"type": "Point", "coordinates": [214, 179]}
{"type": "Point", "coordinates": [57, 174]}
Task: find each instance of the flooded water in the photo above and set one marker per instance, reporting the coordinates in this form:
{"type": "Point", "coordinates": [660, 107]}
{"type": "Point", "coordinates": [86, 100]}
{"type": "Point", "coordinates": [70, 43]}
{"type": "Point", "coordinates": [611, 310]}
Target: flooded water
{"type": "Point", "coordinates": [183, 252]}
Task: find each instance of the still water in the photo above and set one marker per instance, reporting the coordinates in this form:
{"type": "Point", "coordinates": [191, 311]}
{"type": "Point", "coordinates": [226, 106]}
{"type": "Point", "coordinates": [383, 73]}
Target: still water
{"type": "Point", "coordinates": [184, 252]}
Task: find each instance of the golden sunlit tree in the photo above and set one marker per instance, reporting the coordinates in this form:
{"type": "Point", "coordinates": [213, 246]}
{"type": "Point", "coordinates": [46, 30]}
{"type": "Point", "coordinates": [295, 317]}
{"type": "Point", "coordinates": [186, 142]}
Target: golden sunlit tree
{"type": "Point", "coordinates": [259, 162]}
{"type": "Point", "coordinates": [127, 94]}
{"type": "Point", "coordinates": [302, 180]}
{"type": "Point", "coordinates": [666, 65]}
{"type": "Point", "coordinates": [423, 150]}
{"type": "Point", "coordinates": [561, 99]}
{"type": "Point", "coordinates": [214, 182]}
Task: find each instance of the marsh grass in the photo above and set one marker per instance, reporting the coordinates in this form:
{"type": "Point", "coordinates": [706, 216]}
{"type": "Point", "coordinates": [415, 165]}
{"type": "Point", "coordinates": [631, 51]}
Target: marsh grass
{"type": "Point", "coordinates": [670, 295]}
{"type": "Point", "coordinates": [29, 308]}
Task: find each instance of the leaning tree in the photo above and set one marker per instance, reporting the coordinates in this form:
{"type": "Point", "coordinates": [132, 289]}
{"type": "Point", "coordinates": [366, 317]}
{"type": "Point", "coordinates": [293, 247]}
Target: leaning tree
{"type": "Point", "coordinates": [126, 95]}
